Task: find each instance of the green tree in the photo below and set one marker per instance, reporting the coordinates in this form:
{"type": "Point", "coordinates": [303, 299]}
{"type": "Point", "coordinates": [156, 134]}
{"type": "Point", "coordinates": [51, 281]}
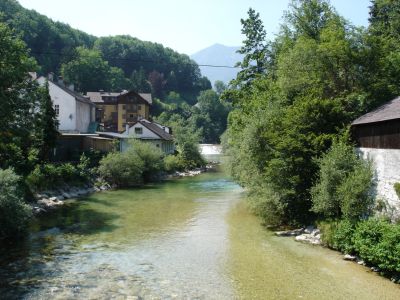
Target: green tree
{"type": "Point", "coordinates": [14, 213]}
{"type": "Point", "coordinates": [88, 71]}
{"type": "Point", "coordinates": [344, 185]}
{"type": "Point", "coordinates": [46, 126]}
{"type": "Point", "coordinates": [255, 49]}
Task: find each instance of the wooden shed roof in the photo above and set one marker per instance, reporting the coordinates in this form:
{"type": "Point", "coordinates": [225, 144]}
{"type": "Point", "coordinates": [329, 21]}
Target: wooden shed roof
{"type": "Point", "coordinates": [386, 112]}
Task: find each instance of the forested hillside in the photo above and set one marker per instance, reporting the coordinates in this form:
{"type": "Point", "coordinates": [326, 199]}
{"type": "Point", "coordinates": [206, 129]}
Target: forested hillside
{"type": "Point", "coordinates": [120, 62]}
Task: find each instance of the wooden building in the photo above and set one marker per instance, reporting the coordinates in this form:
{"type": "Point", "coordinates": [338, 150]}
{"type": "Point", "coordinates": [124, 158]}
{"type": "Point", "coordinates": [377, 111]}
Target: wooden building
{"type": "Point", "coordinates": [116, 110]}
{"type": "Point", "coordinates": [379, 128]}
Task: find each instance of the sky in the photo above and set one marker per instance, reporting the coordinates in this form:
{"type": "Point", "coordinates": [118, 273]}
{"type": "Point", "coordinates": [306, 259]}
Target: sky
{"type": "Point", "coordinates": [186, 26]}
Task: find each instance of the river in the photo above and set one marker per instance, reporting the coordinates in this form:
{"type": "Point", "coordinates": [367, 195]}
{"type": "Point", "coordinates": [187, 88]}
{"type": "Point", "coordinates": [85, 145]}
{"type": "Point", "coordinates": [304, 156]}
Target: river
{"type": "Point", "coordinates": [190, 238]}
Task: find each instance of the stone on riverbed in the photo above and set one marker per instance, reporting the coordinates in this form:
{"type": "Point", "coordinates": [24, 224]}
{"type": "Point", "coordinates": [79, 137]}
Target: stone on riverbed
{"type": "Point", "coordinates": [349, 257]}
{"type": "Point", "coordinates": [294, 232]}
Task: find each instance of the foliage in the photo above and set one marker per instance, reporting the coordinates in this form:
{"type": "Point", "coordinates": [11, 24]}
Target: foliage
{"type": "Point", "coordinates": [14, 214]}
{"type": "Point", "coordinates": [338, 235]}
{"type": "Point", "coordinates": [141, 162]}
{"type": "Point", "coordinates": [344, 184]}
{"type": "Point", "coordinates": [26, 121]}
{"type": "Point", "coordinates": [397, 188]}
{"type": "Point", "coordinates": [378, 243]}
{"type": "Point", "coordinates": [121, 169]}
{"type": "Point", "coordinates": [172, 163]}
{"type": "Point", "coordinates": [46, 124]}
{"type": "Point", "coordinates": [51, 176]}
{"type": "Point", "coordinates": [318, 75]}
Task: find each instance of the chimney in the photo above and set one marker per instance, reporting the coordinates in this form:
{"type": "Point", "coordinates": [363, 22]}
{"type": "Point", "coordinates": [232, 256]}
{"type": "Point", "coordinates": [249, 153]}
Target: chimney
{"type": "Point", "coordinates": [127, 128]}
{"type": "Point", "coordinates": [60, 80]}
{"type": "Point", "coordinates": [50, 76]}
{"type": "Point", "coordinates": [71, 87]}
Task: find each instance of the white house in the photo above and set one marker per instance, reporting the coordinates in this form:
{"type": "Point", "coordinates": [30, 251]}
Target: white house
{"type": "Point", "coordinates": [74, 111]}
{"type": "Point", "coordinates": [157, 134]}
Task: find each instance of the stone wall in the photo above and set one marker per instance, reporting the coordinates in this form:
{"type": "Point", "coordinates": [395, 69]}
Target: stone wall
{"type": "Point", "coordinates": [386, 164]}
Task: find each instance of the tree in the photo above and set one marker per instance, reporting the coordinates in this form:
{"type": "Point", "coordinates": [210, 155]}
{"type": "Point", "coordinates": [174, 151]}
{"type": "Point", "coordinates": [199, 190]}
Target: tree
{"type": "Point", "coordinates": [19, 98]}
{"type": "Point", "coordinates": [220, 87]}
{"type": "Point", "coordinates": [88, 71]}
{"type": "Point", "coordinates": [46, 125]}
{"type": "Point", "coordinates": [14, 213]}
{"type": "Point", "coordinates": [255, 50]}
{"type": "Point", "coordinates": [139, 81]}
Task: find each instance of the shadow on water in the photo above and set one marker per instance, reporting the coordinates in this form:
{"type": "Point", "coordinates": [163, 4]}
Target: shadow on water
{"type": "Point", "coordinates": [29, 261]}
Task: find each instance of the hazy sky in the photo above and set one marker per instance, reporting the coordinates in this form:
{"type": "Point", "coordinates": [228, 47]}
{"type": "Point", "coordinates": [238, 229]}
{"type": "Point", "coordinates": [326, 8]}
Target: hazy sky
{"type": "Point", "coordinates": [184, 25]}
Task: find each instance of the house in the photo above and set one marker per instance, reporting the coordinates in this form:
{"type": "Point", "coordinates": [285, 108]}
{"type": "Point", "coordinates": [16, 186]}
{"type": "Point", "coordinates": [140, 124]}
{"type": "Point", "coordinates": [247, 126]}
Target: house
{"type": "Point", "coordinates": [377, 135]}
{"type": "Point", "coordinates": [74, 112]}
{"type": "Point", "coordinates": [144, 130]}
{"type": "Point", "coordinates": [116, 110]}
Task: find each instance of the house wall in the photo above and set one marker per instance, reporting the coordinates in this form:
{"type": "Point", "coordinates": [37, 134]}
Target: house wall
{"type": "Point", "coordinates": [67, 107]}
{"type": "Point", "coordinates": [167, 147]}
{"type": "Point", "coordinates": [83, 116]}
{"type": "Point", "coordinates": [381, 135]}
{"type": "Point", "coordinates": [147, 134]}
{"type": "Point", "coordinates": [387, 173]}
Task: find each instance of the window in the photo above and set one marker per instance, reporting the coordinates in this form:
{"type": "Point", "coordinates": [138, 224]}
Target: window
{"type": "Point", "coordinates": [138, 130]}
{"type": "Point", "coordinates": [139, 107]}
{"type": "Point", "coordinates": [57, 109]}
{"type": "Point", "coordinates": [131, 116]}
{"type": "Point", "coordinates": [124, 106]}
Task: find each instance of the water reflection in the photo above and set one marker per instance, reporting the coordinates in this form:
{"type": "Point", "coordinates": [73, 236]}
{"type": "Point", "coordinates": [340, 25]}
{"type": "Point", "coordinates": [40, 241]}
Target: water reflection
{"type": "Point", "coordinates": [187, 239]}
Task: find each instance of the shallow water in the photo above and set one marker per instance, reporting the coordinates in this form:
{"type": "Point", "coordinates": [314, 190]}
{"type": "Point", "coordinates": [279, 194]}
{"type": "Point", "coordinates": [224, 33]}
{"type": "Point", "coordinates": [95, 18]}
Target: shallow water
{"type": "Point", "coordinates": [185, 239]}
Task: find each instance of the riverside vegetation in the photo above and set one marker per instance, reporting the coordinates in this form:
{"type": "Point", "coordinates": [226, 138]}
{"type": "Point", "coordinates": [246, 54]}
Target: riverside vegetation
{"type": "Point", "coordinates": [288, 134]}
{"type": "Point", "coordinates": [29, 132]}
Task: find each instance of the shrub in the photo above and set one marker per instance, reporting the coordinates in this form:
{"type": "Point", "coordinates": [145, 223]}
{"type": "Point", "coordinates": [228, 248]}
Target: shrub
{"type": "Point", "coordinates": [121, 169]}
{"type": "Point", "coordinates": [190, 156]}
{"type": "Point", "coordinates": [338, 235]}
{"type": "Point", "coordinates": [151, 156]}
{"type": "Point", "coordinates": [14, 213]}
{"type": "Point", "coordinates": [397, 188]}
{"type": "Point", "coordinates": [50, 176]}
{"type": "Point", "coordinates": [141, 162]}
{"type": "Point", "coordinates": [378, 242]}
{"type": "Point", "coordinates": [344, 184]}
{"type": "Point", "coordinates": [172, 163]}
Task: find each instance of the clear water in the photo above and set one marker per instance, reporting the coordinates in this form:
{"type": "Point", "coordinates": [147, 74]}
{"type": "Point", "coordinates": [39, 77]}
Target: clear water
{"type": "Point", "coordinates": [185, 239]}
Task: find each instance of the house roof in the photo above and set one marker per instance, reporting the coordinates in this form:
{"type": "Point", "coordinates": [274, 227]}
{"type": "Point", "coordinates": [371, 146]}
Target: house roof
{"type": "Point", "coordinates": [386, 112]}
{"type": "Point", "coordinates": [97, 97]}
{"type": "Point", "coordinates": [74, 94]}
{"type": "Point", "coordinates": [156, 129]}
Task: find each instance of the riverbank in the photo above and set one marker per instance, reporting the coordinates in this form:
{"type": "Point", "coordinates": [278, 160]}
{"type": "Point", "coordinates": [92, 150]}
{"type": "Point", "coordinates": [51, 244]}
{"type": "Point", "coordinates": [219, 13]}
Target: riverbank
{"type": "Point", "coordinates": [192, 238]}
{"type": "Point", "coordinates": [49, 200]}
{"type": "Point", "coordinates": [312, 235]}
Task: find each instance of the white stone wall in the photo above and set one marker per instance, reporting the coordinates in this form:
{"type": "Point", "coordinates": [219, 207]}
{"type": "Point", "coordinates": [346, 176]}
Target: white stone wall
{"type": "Point", "coordinates": [83, 116]}
{"type": "Point", "coordinates": [386, 164]}
{"type": "Point", "coordinates": [146, 133]}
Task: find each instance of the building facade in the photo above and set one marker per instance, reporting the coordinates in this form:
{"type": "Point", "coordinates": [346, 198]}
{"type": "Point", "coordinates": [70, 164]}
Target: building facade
{"type": "Point", "coordinates": [377, 135]}
{"type": "Point", "coordinates": [114, 111]}
{"type": "Point", "coordinates": [74, 112]}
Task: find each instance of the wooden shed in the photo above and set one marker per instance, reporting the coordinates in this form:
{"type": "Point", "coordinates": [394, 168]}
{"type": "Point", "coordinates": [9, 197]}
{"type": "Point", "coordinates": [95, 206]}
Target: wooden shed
{"type": "Point", "coordinates": [379, 128]}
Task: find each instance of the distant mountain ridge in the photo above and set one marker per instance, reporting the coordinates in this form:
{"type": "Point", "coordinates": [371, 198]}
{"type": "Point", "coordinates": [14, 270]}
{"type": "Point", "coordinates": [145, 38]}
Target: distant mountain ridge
{"type": "Point", "coordinates": [218, 55]}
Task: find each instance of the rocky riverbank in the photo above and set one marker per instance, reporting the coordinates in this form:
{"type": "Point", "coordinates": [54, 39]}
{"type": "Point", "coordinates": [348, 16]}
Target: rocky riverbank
{"type": "Point", "coordinates": [52, 199]}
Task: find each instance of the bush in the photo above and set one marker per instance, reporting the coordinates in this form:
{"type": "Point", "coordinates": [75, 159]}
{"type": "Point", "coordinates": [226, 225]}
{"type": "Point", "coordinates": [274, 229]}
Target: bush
{"type": "Point", "coordinates": [190, 156]}
{"type": "Point", "coordinates": [172, 163]}
{"type": "Point", "coordinates": [378, 242]}
{"type": "Point", "coordinates": [14, 213]}
{"type": "Point", "coordinates": [141, 162]}
{"type": "Point", "coordinates": [338, 235]}
{"type": "Point", "coordinates": [344, 185]}
{"type": "Point", "coordinates": [397, 188]}
{"type": "Point", "coordinates": [50, 176]}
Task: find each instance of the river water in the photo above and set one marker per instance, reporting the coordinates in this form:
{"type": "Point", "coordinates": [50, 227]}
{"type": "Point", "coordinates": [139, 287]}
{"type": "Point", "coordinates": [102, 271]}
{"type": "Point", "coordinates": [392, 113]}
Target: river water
{"type": "Point", "coordinates": [191, 238]}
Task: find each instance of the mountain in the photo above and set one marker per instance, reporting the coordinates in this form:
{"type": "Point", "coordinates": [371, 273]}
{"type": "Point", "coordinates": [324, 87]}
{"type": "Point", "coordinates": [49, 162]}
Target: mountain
{"type": "Point", "coordinates": [218, 55]}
